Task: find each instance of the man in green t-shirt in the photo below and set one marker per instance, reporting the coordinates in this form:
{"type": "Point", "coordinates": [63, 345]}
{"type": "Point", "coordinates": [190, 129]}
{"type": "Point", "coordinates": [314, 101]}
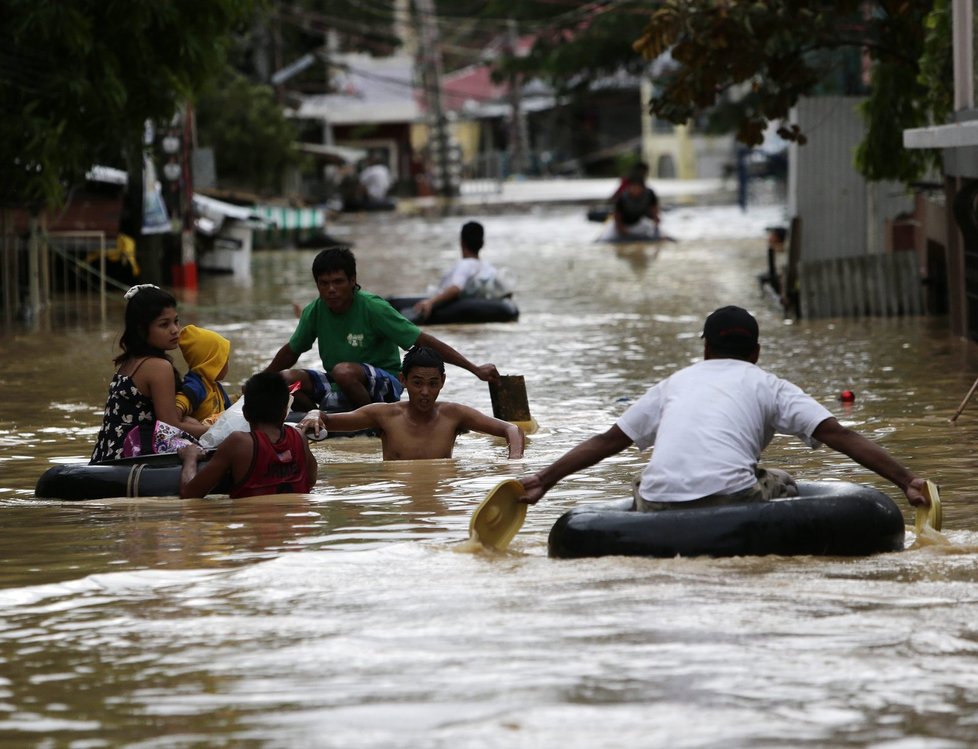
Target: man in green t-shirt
{"type": "Point", "coordinates": [359, 336]}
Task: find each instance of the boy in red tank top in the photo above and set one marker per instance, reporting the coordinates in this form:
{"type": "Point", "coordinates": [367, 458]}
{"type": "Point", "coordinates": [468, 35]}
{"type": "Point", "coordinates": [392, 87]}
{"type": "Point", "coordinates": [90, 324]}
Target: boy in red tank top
{"type": "Point", "coordinates": [272, 458]}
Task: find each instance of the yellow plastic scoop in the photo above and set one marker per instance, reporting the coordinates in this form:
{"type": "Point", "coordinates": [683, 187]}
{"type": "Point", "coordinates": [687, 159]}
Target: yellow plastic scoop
{"type": "Point", "coordinates": [499, 516]}
{"type": "Point", "coordinates": [932, 516]}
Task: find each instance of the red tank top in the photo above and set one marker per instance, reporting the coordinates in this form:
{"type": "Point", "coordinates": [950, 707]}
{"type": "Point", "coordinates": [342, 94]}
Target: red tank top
{"type": "Point", "coordinates": [276, 467]}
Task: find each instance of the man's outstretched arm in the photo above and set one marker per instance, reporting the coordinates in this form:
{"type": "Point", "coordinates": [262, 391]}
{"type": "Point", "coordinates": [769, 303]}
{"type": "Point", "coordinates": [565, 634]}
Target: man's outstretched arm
{"type": "Point", "coordinates": [587, 453]}
{"type": "Point", "coordinates": [477, 421]}
{"type": "Point", "coordinates": [870, 455]}
{"type": "Point", "coordinates": [425, 307]}
{"type": "Point", "coordinates": [485, 372]}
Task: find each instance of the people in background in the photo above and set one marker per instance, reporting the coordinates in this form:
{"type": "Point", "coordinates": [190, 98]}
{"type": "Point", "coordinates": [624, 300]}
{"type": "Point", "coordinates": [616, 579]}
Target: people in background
{"type": "Point", "coordinates": [470, 277]}
{"type": "Point", "coordinates": [636, 207]}
{"type": "Point", "coordinates": [639, 172]}
{"type": "Point", "coordinates": [773, 277]}
{"type": "Point", "coordinates": [375, 183]}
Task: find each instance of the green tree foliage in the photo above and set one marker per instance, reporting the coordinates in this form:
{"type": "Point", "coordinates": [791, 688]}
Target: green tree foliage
{"type": "Point", "coordinates": [936, 71]}
{"type": "Point", "coordinates": [241, 116]}
{"type": "Point", "coordinates": [283, 31]}
{"type": "Point", "coordinates": [936, 64]}
{"type": "Point", "coordinates": [79, 79]}
{"type": "Point", "coordinates": [252, 141]}
{"type": "Point", "coordinates": [764, 56]}
{"type": "Point", "coordinates": [574, 46]}
{"type": "Point", "coordinates": [746, 63]}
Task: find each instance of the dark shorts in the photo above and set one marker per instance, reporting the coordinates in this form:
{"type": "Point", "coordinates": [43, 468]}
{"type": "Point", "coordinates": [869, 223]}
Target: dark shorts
{"type": "Point", "coordinates": [772, 483]}
{"type": "Point", "coordinates": [382, 386]}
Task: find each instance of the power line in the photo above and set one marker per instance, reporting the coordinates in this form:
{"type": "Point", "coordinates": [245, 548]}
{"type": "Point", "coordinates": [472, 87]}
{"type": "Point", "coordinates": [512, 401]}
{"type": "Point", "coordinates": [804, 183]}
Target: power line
{"type": "Point", "coordinates": [579, 13]}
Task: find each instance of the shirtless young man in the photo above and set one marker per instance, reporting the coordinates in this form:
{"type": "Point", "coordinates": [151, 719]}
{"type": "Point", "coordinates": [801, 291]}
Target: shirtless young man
{"type": "Point", "coordinates": [422, 428]}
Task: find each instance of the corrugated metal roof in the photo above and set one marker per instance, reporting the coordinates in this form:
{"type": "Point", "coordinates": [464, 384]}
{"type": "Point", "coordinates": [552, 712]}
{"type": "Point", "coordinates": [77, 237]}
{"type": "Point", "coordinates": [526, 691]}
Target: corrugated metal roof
{"type": "Point", "coordinates": [372, 90]}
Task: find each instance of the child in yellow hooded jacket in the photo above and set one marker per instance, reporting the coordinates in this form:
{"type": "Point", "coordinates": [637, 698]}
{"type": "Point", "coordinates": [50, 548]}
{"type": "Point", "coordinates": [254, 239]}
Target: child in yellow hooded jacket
{"type": "Point", "coordinates": [207, 355]}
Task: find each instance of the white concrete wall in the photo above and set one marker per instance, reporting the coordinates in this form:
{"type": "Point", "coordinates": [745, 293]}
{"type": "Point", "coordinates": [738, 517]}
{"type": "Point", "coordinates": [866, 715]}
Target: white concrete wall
{"type": "Point", "coordinates": [841, 215]}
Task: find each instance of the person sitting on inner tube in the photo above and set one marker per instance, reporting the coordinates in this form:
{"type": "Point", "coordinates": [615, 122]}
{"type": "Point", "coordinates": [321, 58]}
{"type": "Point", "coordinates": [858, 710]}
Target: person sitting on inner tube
{"type": "Point", "coordinates": [709, 423]}
{"type": "Point", "coordinates": [359, 337]}
{"type": "Point", "coordinates": [636, 209]}
{"type": "Point", "coordinates": [469, 277]}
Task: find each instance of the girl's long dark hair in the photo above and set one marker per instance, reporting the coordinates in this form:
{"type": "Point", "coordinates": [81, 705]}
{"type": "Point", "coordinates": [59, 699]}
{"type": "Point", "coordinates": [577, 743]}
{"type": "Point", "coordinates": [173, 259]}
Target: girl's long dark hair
{"type": "Point", "coordinates": [142, 308]}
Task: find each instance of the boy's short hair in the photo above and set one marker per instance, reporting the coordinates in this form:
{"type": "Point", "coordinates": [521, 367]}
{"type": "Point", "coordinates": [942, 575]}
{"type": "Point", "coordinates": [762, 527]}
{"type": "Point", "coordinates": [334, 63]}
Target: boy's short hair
{"type": "Point", "coordinates": [422, 356]}
{"type": "Point", "coordinates": [266, 397]}
{"type": "Point", "coordinates": [334, 259]}
{"type": "Point", "coordinates": [473, 236]}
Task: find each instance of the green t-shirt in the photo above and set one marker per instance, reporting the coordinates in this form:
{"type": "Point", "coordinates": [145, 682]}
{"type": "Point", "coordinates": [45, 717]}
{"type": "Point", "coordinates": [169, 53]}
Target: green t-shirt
{"type": "Point", "coordinates": [370, 332]}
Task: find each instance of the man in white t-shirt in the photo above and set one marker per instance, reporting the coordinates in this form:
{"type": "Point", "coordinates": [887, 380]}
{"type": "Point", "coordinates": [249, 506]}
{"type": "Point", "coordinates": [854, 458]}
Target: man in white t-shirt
{"type": "Point", "coordinates": [709, 423]}
{"type": "Point", "coordinates": [376, 181]}
{"type": "Point", "coordinates": [470, 276]}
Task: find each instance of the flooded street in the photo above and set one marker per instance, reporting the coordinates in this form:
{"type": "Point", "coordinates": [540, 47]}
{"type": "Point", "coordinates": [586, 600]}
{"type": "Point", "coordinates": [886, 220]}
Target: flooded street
{"type": "Point", "coordinates": [349, 617]}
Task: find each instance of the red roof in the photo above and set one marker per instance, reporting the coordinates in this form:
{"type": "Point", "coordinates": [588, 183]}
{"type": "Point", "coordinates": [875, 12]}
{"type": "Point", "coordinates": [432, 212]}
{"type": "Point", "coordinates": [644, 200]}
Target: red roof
{"type": "Point", "coordinates": [471, 84]}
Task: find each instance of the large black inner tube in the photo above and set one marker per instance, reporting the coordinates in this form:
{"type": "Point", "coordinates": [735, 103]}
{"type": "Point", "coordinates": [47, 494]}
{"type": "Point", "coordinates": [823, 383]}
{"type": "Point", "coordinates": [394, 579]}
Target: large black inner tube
{"type": "Point", "coordinates": [145, 476]}
{"type": "Point", "coordinates": [467, 310]}
{"type": "Point", "coordinates": [829, 518]}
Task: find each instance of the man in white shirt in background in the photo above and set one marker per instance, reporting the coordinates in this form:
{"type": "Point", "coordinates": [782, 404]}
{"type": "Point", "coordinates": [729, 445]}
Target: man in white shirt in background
{"type": "Point", "coordinates": [376, 181]}
{"type": "Point", "coordinates": [469, 277]}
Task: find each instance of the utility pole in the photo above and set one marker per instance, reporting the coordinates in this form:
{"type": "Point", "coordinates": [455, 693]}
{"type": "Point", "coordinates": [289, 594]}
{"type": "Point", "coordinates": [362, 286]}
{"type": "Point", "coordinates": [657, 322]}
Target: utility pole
{"type": "Point", "coordinates": [517, 126]}
{"type": "Point", "coordinates": [330, 45]}
{"type": "Point", "coordinates": [178, 144]}
{"type": "Point", "coordinates": [445, 156]}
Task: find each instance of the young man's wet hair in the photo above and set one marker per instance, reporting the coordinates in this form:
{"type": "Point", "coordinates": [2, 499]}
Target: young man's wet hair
{"type": "Point", "coordinates": [422, 356]}
{"type": "Point", "coordinates": [334, 259]}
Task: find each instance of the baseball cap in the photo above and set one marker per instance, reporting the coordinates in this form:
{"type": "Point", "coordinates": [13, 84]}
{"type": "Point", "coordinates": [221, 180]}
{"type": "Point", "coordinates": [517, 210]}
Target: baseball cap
{"type": "Point", "coordinates": [731, 328]}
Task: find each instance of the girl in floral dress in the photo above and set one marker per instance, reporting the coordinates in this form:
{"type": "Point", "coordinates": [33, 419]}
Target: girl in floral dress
{"type": "Point", "coordinates": [143, 389]}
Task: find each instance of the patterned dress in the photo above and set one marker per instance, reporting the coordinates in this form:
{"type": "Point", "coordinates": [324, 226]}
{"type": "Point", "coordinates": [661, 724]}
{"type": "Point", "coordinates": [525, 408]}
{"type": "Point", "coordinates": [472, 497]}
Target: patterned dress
{"type": "Point", "coordinates": [125, 408]}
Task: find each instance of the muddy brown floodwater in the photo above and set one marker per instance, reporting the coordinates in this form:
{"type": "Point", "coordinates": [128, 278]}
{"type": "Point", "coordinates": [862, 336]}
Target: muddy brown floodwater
{"type": "Point", "coordinates": [348, 617]}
